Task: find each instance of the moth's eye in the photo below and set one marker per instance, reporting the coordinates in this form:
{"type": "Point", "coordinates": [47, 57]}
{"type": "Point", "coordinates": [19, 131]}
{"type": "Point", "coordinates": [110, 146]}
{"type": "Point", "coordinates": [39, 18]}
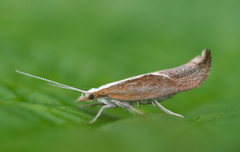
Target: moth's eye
{"type": "Point", "coordinates": [91, 96]}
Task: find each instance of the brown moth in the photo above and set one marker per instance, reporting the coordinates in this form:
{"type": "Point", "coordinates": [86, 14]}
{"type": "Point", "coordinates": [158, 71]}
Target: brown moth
{"type": "Point", "coordinates": [150, 88]}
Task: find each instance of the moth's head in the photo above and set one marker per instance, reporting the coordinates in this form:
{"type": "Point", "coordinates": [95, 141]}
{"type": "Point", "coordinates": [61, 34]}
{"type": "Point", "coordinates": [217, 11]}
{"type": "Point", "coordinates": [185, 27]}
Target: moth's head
{"type": "Point", "coordinates": [89, 97]}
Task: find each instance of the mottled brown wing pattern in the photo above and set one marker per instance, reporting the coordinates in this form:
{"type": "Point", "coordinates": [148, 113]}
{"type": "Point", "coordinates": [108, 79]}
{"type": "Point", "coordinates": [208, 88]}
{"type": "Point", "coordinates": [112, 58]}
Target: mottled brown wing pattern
{"type": "Point", "coordinates": [146, 87]}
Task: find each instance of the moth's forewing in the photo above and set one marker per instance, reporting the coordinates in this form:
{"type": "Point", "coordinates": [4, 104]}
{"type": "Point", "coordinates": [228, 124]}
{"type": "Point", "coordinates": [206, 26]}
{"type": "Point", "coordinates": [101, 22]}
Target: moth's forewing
{"type": "Point", "coordinates": [146, 87]}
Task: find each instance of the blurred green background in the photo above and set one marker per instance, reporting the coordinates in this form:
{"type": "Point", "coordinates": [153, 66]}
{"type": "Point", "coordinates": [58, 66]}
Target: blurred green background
{"type": "Point", "coordinates": [86, 44]}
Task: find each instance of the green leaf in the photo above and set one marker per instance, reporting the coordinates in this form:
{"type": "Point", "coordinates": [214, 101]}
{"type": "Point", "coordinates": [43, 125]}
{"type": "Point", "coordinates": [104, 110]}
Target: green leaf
{"type": "Point", "coordinates": [86, 44]}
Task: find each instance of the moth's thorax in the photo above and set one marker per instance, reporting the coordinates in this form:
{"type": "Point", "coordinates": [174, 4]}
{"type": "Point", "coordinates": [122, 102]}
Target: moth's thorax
{"type": "Point", "coordinates": [107, 100]}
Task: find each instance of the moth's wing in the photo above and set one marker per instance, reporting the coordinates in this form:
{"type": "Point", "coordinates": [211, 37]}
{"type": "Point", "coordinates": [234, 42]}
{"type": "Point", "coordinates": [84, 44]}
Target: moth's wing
{"type": "Point", "coordinates": [161, 83]}
{"type": "Point", "coordinates": [145, 87]}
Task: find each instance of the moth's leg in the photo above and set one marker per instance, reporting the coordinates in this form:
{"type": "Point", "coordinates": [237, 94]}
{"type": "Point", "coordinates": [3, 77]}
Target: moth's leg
{"type": "Point", "coordinates": [153, 104]}
{"type": "Point", "coordinates": [91, 105]}
{"type": "Point", "coordinates": [166, 110]}
{"type": "Point", "coordinates": [124, 105]}
{"type": "Point", "coordinates": [107, 106]}
{"type": "Point", "coordinates": [137, 104]}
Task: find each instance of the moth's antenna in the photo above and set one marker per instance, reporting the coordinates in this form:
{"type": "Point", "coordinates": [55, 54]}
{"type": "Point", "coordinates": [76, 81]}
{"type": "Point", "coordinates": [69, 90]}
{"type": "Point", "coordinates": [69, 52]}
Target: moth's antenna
{"type": "Point", "coordinates": [53, 83]}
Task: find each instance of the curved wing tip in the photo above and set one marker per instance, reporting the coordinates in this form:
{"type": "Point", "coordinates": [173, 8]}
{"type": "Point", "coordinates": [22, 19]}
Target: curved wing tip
{"type": "Point", "coordinates": [206, 55]}
{"type": "Point", "coordinates": [206, 52]}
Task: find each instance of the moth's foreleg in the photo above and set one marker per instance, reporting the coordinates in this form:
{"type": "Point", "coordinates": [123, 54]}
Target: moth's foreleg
{"type": "Point", "coordinates": [107, 106]}
{"type": "Point", "coordinates": [129, 107]}
{"type": "Point", "coordinates": [166, 110]}
{"type": "Point", "coordinates": [137, 104]}
{"type": "Point", "coordinates": [153, 104]}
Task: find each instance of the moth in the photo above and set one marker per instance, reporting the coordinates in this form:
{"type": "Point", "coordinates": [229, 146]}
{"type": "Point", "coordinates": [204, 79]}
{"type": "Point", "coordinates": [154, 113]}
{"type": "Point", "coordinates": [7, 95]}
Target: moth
{"type": "Point", "coordinates": [149, 88]}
